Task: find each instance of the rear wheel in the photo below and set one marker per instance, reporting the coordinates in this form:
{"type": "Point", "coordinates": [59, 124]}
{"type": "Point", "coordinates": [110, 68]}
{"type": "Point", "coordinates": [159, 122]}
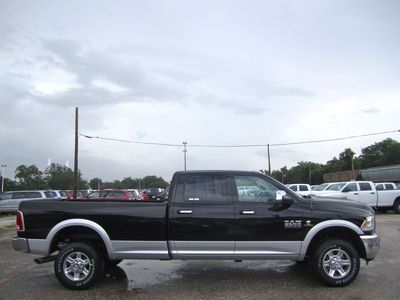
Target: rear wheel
{"type": "Point", "coordinates": [78, 265]}
{"type": "Point", "coordinates": [336, 263]}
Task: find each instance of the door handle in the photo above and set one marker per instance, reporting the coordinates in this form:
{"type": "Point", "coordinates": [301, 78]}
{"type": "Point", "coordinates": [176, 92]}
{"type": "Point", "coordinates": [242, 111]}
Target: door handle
{"type": "Point", "coordinates": [247, 212]}
{"type": "Point", "coordinates": [184, 212]}
{"type": "Point", "coordinates": [355, 193]}
{"type": "Point", "coordinates": [373, 193]}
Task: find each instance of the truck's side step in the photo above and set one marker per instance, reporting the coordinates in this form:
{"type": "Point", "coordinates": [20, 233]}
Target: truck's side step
{"type": "Point", "coordinates": [45, 259]}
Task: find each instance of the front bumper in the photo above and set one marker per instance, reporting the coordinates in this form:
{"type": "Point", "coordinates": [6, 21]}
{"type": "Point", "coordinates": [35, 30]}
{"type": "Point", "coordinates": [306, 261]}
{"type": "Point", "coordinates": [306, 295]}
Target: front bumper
{"type": "Point", "coordinates": [20, 244]}
{"type": "Point", "coordinates": [371, 245]}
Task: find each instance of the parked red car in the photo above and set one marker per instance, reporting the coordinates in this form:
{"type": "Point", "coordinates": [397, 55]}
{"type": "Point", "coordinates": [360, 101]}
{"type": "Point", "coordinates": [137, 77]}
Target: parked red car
{"type": "Point", "coordinates": [70, 195]}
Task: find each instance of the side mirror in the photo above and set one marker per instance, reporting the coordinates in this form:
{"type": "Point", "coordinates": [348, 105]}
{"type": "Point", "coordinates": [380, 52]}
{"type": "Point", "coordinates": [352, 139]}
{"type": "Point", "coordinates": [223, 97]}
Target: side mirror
{"type": "Point", "coordinates": [346, 190]}
{"type": "Point", "coordinates": [287, 200]}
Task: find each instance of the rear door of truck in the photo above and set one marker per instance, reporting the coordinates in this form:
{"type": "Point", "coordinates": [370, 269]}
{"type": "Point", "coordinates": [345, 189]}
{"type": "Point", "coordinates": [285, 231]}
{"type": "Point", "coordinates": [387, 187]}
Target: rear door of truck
{"type": "Point", "coordinates": [202, 221]}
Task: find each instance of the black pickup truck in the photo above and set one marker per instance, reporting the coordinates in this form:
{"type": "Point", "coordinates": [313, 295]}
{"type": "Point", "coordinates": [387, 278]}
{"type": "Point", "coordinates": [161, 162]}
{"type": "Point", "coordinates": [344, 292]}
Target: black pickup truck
{"type": "Point", "coordinates": [225, 215]}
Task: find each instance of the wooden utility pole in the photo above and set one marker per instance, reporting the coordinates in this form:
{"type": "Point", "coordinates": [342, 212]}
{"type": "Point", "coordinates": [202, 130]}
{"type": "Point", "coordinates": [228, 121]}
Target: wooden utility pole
{"type": "Point", "coordinates": [76, 154]}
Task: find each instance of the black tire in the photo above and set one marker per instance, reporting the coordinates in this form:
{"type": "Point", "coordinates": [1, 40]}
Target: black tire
{"type": "Point", "coordinates": [78, 266]}
{"type": "Point", "coordinates": [383, 209]}
{"type": "Point", "coordinates": [336, 263]}
{"type": "Point", "coordinates": [396, 206]}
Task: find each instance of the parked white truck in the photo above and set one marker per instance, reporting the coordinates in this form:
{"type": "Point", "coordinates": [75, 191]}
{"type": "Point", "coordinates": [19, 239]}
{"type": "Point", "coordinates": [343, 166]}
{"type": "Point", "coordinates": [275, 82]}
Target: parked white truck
{"type": "Point", "coordinates": [366, 192]}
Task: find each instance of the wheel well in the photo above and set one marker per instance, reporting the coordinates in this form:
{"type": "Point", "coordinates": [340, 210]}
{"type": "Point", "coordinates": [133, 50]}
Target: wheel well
{"type": "Point", "coordinates": [342, 233]}
{"type": "Point", "coordinates": [78, 234]}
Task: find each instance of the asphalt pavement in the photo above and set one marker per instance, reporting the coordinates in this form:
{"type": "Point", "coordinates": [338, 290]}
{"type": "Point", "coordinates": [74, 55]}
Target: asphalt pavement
{"type": "Point", "coordinates": [21, 278]}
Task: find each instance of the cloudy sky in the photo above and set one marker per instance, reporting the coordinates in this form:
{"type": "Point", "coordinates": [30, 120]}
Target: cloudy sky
{"type": "Point", "coordinates": [205, 72]}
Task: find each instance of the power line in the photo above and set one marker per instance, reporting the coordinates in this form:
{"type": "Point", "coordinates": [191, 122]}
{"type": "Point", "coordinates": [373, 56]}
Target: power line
{"type": "Point", "coordinates": [128, 141]}
{"type": "Point", "coordinates": [237, 146]}
{"type": "Point", "coordinates": [335, 139]}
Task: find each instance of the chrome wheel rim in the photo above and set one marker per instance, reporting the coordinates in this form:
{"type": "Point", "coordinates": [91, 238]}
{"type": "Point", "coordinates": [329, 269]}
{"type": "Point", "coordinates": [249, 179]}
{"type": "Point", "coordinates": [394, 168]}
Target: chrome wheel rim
{"type": "Point", "coordinates": [77, 266]}
{"type": "Point", "coordinates": [336, 263]}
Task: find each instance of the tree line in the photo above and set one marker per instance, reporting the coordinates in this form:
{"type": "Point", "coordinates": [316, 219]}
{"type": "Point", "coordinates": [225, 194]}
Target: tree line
{"type": "Point", "coordinates": [60, 177]}
{"type": "Point", "coordinates": [384, 153]}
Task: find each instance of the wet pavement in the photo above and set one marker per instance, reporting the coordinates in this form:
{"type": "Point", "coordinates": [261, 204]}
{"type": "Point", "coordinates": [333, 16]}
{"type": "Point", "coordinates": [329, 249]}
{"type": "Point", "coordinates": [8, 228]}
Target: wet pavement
{"type": "Point", "coordinates": [20, 278]}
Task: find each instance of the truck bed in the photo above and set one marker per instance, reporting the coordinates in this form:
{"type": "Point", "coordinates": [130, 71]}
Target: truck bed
{"type": "Point", "coordinates": [122, 220]}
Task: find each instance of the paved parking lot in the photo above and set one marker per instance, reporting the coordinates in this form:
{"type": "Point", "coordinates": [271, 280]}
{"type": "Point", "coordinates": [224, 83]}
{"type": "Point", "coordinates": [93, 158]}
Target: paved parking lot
{"type": "Point", "coordinates": [20, 278]}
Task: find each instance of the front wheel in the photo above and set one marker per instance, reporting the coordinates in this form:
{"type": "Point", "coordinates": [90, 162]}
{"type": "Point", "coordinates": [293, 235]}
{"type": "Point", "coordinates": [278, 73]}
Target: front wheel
{"type": "Point", "coordinates": [396, 206]}
{"type": "Point", "coordinates": [78, 266]}
{"type": "Point", "coordinates": [336, 263]}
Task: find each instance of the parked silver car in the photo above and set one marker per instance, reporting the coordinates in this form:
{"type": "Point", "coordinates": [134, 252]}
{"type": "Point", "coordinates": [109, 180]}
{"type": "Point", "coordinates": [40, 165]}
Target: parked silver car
{"type": "Point", "coordinates": [9, 201]}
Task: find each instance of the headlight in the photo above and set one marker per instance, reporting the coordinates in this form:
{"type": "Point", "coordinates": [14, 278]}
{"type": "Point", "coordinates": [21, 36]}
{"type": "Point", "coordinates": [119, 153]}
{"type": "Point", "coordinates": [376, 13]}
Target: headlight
{"type": "Point", "coordinates": [368, 224]}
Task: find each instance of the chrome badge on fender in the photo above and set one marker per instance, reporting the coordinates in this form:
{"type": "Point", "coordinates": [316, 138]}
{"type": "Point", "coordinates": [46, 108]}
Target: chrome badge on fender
{"type": "Point", "coordinates": [292, 223]}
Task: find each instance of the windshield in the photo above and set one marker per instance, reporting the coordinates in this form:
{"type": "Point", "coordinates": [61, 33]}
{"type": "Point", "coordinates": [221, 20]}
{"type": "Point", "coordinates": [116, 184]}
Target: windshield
{"type": "Point", "coordinates": [321, 187]}
{"type": "Point", "coordinates": [336, 186]}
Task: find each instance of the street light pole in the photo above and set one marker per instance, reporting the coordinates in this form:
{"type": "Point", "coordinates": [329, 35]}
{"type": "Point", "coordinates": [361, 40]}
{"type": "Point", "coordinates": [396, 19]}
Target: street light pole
{"type": "Point", "coordinates": [2, 177]}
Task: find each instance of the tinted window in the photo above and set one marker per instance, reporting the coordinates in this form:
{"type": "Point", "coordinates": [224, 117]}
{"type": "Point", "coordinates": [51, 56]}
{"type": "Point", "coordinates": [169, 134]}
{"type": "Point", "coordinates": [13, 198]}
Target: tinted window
{"type": "Point", "coordinates": [6, 196]}
{"type": "Point", "coordinates": [207, 188]}
{"type": "Point", "coordinates": [352, 187]}
{"type": "Point", "coordinates": [389, 186]}
{"type": "Point", "coordinates": [335, 187]}
{"type": "Point", "coordinates": [293, 188]}
{"type": "Point", "coordinates": [365, 186]}
{"type": "Point", "coordinates": [321, 187]}
{"type": "Point", "coordinates": [97, 194]}
{"type": "Point", "coordinates": [50, 194]}
{"type": "Point", "coordinates": [303, 187]}
{"type": "Point", "coordinates": [116, 194]}
{"type": "Point", "coordinates": [27, 195]}
{"type": "Point", "coordinates": [255, 189]}
{"type": "Point", "coordinates": [379, 187]}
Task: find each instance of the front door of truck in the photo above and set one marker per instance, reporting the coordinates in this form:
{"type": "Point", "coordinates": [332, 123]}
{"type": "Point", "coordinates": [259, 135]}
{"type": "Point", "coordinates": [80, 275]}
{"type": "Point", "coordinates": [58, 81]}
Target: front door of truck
{"type": "Point", "coordinates": [202, 222]}
{"type": "Point", "coordinates": [265, 227]}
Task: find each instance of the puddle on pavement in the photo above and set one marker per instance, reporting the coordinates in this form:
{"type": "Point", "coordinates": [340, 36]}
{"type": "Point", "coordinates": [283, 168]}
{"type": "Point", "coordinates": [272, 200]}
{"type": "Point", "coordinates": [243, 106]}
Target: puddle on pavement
{"type": "Point", "coordinates": [144, 273]}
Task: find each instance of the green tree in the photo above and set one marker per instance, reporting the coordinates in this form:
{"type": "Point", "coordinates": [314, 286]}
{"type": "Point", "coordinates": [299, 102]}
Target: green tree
{"type": "Point", "coordinates": [384, 153]}
{"type": "Point", "coordinates": [96, 184]}
{"type": "Point", "coordinates": [61, 177]}
{"type": "Point", "coordinates": [29, 177]}
{"type": "Point", "coordinates": [154, 181]}
{"type": "Point", "coordinates": [9, 185]}
{"type": "Point", "coordinates": [130, 183]}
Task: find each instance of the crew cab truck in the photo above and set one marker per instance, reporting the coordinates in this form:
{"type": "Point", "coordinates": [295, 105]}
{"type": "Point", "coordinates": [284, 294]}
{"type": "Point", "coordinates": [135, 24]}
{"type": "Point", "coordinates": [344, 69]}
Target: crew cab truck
{"type": "Point", "coordinates": [383, 197]}
{"type": "Point", "coordinates": [224, 215]}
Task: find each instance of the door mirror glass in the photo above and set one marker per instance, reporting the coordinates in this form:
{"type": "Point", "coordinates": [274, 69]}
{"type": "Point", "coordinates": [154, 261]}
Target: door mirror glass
{"type": "Point", "coordinates": [279, 195]}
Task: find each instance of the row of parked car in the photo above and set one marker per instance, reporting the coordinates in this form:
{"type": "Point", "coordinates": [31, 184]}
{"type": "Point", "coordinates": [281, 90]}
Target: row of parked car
{"type": "Point", "coordinates": [382, 196]}
{"type": "Point", "coordinates": [9, 201]}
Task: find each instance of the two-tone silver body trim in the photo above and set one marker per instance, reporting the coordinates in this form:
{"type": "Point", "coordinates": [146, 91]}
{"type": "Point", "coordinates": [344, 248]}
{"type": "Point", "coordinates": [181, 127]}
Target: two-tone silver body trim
{"type": "Point", "coordinates": [320, 226]}
{"type": "Point", "coordinates": [371, 245]}
{"type": "Point", "coordinates": [235, 250]}
{"type": "Point", "coordinates": [80, 222]}
{"type": "Point", "coordinates": [140, 249]}
{"type": "Point", "coordinates": [267, 249]}
{"type": "Point", "coordinates": [199, 249]}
